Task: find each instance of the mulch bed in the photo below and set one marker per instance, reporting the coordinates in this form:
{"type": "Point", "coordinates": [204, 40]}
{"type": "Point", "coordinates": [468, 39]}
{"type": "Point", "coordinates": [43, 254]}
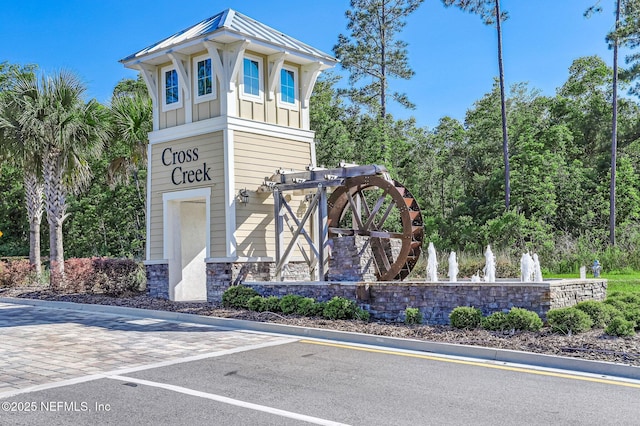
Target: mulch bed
{"type": "Point", "coordinates": [592, 345]}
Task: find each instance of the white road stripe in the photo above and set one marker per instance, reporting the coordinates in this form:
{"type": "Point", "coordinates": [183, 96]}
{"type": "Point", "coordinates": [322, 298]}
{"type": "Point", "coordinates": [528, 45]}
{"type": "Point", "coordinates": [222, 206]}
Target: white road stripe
{"type": "Point", "coordinates": [231, 401]}
{"type": "Point", "coordinates": [161, 364]}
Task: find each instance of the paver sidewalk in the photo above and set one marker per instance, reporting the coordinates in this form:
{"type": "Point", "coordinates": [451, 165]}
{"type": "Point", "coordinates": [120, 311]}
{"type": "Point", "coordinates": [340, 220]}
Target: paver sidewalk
{"type": "Point", "coordinates": [40, 346]}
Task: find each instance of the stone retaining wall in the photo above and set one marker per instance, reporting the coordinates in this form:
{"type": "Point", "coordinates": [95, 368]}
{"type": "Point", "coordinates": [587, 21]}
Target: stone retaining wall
{"type": "Point", "coordinates": [388, 300]}
{"type": "Point", "coordinates": [221, 275]}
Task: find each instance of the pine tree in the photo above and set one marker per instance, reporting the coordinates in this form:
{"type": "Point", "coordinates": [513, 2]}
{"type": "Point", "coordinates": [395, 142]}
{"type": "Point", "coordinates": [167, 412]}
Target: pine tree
{"type": "Point", "coordinates": [372, 51]}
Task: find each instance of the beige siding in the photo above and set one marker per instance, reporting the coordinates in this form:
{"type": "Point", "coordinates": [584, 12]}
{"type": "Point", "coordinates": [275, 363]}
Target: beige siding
{"type": "Point", "coordinates": [256, 157]}
{"type": "Point", "coordinates": [172, 118]}
{"type": "Point", "coordinates": [206, 110]}
{"type": "Point", "coordinates": [267, 111]}
{"type": "Point", "coordinates": [211, 153]}
{"type": "Point", "coordinates": [288, 117]}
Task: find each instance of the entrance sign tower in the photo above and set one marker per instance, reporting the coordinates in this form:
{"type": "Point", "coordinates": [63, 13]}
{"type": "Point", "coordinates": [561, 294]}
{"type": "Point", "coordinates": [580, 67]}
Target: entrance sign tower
{"type": "Point", "coordinates": [230, 106]}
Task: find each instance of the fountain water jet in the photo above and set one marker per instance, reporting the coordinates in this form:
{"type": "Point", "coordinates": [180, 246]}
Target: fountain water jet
{"type": "Point", "coordinates": [432, 264]}
{"type": "Point", "coordinates": [489, 266]}
{"type": "Point", "coordinates": [526, 268]}
{"type": "Point", "coordinates": [453, 267]}
{"type": "Point", "coordinates": [537, 272]}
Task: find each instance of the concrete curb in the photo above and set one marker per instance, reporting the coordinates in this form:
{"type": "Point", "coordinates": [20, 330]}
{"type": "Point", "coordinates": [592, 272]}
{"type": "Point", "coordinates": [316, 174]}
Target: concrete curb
{"type": "Point", "coordinates": [498, 355]}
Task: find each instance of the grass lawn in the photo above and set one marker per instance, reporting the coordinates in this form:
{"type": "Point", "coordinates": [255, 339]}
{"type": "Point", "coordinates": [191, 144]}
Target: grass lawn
{"type": "Point", "coordinates": [624, 283]}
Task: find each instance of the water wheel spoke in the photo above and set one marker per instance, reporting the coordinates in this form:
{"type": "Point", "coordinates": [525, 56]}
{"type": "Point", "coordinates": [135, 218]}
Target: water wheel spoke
{"type": "Point", "coordinates": [374, 212]}
{"type": "Point", "coordinates": [383, 234]}
{"type": "Point", "coordinates": [363, 202]}
{"type": "Point", "coordinates": [354, 210]}
{"type": "Point", "coordinates": [379, 249]}
{"type": "Point", "coordinates": [385, 216]}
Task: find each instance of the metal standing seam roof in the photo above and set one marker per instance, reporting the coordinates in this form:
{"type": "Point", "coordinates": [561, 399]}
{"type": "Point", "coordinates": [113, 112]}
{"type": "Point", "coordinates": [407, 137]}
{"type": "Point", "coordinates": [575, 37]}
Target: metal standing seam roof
{"type": "Point", "coordinates": [234, 21]}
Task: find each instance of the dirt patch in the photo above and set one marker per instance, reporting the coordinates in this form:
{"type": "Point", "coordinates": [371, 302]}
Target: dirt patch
{"type": "Point", "coordinates": [592, 345]}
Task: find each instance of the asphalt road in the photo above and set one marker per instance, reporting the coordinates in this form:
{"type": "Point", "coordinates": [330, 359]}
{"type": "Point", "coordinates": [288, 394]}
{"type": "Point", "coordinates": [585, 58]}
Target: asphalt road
{"type": "Point", "coordinates": [322, 382]}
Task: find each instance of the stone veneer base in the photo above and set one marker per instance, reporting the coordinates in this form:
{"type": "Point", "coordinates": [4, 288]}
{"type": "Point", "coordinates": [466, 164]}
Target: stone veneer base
{"type": "Point", "coordinates": [388, 300]}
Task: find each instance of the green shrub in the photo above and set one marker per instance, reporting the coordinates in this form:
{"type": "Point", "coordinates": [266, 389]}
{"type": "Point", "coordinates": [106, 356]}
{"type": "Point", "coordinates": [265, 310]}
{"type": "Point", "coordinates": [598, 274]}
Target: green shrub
{"type": "Point", "coordinates": [340, 308]}
{"type": "Point", "coordinates": [569, 320]}
{"type": "Point", "coordinates": [616, 302]}
{"type": "Point", "coordinates": [362, 315]}
{"type": "Point", "coordinates": [497, 321]}
{"type": "Point", "coordinates": [256, 303]}
{"type": "Point", "coordinates": [632, 314]}
{"type": "Point", "coordinates": [272, 304]}
{"type": "Point", "coordinates": [600, 313]}
{"type": "Point", "coordinates": [620, 327]}
{"type": "Point", "coordinates": [412, 316]}
{"type": "Point", "coordinates": [318, 309]}
{"type": "Point", "coordinates": [306, 307]}
{"type": "Point", "coordinates": [237, 296]}
{"type": "Point", "coordinates": [289, 303]}
{"type": "Point", "coordinates": [631, 299]}
{"type": "Point", "coordinates": [523, 320]}
{"type": "Point", "coordinates": [465, 317]}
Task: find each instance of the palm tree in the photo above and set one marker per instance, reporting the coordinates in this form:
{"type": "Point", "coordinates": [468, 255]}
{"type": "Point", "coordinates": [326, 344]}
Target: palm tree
{"type": "Point", "coordinates": [131, 121]}
{"type": "Point", "coordinates": [21, 150]}
{"type": "Point", "coordinates": [69, 132]}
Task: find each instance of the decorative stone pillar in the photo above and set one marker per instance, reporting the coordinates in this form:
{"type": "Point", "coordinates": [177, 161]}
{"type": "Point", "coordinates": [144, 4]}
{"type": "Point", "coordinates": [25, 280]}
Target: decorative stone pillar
{"type": "Point", "coordinates": [219, 278]}
{"type": "Point", "coordinates": [158, 280]}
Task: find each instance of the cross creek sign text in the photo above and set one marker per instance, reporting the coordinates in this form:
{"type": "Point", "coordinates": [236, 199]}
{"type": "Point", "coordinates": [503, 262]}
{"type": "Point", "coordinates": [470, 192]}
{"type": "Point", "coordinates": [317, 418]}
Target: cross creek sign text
{"type": "Point", "coordinates": [183, 171]}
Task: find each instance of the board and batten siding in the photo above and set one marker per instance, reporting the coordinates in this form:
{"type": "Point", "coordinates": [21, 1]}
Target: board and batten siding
{"type": "Point", "coordinates": [200, 111]}
{"type": "Point", "coordinates": [268, 111]}
{"type": "Point", "coordinates": [210, 152]}
{"type": "Point", "coordinates": [206, 110]}
{"type": "Point", "coordinates": [256, 157]}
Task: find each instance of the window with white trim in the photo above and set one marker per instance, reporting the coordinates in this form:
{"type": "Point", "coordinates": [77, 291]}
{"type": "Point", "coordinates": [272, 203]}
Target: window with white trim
{"type": "Point", "coordinates": [288, 95]}
{"type": "Point", "coordinates": [204, 79]}
{"type": "Point", "coordinates": [252, 81]}
{"type": "Point", "coordinates": [171, 96]}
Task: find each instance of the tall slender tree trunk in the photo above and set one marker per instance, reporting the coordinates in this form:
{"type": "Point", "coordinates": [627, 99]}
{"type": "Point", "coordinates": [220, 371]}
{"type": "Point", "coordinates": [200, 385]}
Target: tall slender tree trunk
{"type": "Point", "coordinates": [614, 137]}
{"type": "Point", "coordinates": [383, 63]}
{"type": "Point", "coordinates": [34, 197]}
{"type": "Point", "coordinates": [55, 203]}
{"type": "Point", "coordinates": [503, 106]}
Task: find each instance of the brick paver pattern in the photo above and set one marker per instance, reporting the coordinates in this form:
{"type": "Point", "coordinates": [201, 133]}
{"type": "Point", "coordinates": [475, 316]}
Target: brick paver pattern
{"type": "Point", "coordinates": [41, 345]}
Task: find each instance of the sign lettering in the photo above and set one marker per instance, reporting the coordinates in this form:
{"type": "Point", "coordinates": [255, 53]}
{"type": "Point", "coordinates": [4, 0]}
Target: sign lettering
{"type": "Point", "coordinates": [183, 172]}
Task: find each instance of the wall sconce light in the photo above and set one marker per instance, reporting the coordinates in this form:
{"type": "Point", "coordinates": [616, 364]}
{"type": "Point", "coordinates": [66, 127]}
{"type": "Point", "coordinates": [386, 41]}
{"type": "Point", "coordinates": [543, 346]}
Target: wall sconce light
{"type": "Point", "coordinates": [244, 196]}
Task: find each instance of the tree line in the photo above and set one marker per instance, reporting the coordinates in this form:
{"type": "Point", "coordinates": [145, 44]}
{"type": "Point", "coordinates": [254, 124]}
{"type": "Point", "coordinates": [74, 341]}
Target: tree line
{"type": "Point", "coordinates": [83, 164]}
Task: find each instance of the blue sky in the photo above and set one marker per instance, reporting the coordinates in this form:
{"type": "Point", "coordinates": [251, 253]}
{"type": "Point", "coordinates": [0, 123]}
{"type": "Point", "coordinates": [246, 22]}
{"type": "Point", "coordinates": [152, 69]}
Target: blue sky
{"type": "Point", "coordinates": [452, 53]}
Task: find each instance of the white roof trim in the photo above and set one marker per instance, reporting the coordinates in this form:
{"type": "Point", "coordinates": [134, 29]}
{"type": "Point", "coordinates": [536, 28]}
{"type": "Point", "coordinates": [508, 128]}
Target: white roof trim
{"type": "Point", "coordinates": [230, 24]}
{"type": "Point", "coordinates": [227, 17]}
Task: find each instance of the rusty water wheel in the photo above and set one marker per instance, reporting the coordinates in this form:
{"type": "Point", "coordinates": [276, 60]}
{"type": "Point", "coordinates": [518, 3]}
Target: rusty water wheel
{"type": "Point", "coordinates": [386, 212]}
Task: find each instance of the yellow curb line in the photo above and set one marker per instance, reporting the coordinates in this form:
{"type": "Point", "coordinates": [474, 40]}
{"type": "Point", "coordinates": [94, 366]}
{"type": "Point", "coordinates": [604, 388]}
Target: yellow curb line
{"type": "Point", "coordinates": [477, 364]}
